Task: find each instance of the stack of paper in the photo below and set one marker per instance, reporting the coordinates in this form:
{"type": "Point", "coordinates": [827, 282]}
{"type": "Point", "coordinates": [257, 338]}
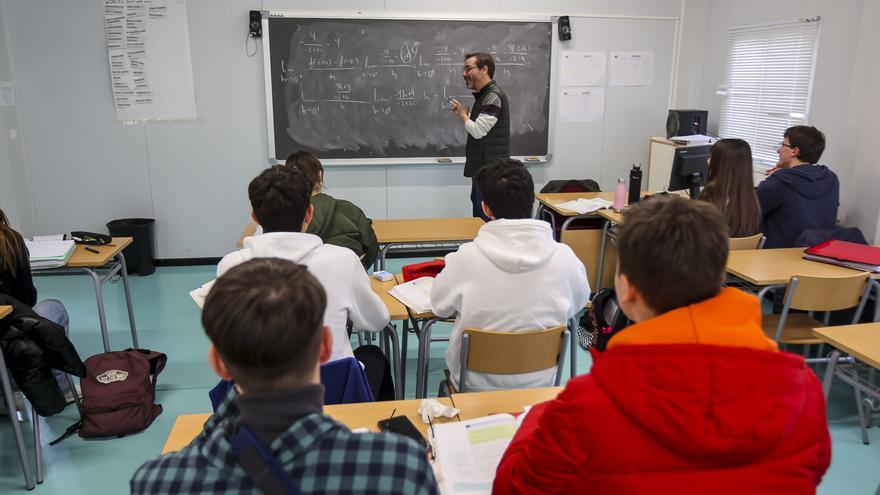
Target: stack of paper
{"type": "Point", "coordinates": [693, 139]}
{"type": "Point", "coordinates": [415, 294]}
{"type": "Point", "coordinates": [49, 253]}
{"type": "Point", "coordinates": [584, 206]}
{"type": "Point", "coordinates": [468, 452]}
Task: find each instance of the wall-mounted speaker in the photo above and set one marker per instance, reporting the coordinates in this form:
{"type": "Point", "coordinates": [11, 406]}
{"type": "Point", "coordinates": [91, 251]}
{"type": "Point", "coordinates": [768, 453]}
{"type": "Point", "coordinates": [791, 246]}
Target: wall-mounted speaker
{"type": "Point", "coordinates": [255, 24]}
{"type": "Point", "coordinates": [564, 28]}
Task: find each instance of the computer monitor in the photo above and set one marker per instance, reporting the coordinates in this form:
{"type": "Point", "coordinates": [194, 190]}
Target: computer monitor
{"type": "Point", "coordinates": [689, 169]}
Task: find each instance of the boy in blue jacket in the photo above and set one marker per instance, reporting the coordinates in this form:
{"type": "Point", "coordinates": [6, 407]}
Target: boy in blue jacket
{"type": "Point", "coordinates": [798, 194]}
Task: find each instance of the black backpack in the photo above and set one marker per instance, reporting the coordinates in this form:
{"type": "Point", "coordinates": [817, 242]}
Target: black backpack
{"type": "Point", "coordinates": [602, 321]}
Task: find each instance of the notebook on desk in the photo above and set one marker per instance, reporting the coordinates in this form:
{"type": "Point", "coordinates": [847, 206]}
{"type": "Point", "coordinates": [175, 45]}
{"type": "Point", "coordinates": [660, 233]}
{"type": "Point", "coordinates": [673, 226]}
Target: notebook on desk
{"type": "Point", "coordinates": [848, 254]}
{"type": "Point", "coordinates": [415, 294]}
{"type": "Point", "coordinates": [468, 452]}
{"type": "Point", "coordinates": [49, 252]}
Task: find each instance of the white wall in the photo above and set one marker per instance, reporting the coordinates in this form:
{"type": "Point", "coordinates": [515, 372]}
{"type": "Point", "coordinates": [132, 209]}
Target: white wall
{"type": "Point", "coordinates": [847, 44]}
{"type": "Point", "coordinates": [15, 190]}
{"type": "Point", "coordinates": [85, 168]}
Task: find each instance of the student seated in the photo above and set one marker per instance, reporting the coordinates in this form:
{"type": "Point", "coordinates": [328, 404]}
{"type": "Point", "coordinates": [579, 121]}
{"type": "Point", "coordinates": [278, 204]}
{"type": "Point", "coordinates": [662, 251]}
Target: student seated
{"type": "Point", "coordinates": [512, 277]}
{"type": "Point", "coordinates": [335, 221]}
{"type": "Point", "coordinates": [269, 338]}
{"type": "Point", "coordinates": [730, 186]}
{"type": "Point", "coordinates": [799, 194]}
{"type": "Point", "coordinates": [280, 201]}
{"type": "Point", "coordinates": [692, 398]}
{"type": "Point", "coordinates": [17, 282]}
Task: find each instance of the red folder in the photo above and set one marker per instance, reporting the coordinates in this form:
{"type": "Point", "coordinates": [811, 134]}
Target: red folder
{"type": "Point", "coordinates": [847, 251]}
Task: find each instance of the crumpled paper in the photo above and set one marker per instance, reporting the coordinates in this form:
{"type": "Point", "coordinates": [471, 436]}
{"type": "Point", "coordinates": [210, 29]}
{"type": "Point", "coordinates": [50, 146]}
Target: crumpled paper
{"type": "Point", "coordinates": [430, 409]}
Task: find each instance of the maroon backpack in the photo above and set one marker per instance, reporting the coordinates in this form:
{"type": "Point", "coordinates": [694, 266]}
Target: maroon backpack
{"type": "Point", "coordinates": [119, 392]}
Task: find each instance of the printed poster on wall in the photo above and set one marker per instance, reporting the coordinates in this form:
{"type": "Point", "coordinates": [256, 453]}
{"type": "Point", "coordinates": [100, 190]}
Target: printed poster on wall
{"type": "Point", "coordinates": [631, 69]}
{"type": "Point", "coordinates": [150, 62]}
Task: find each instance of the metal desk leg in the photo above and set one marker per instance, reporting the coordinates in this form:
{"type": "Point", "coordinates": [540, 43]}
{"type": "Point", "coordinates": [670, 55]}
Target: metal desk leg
{"type": "Point", "coordinates": [38, 448]}
{"type": "Point", "coordinates": [16, 426]}
{"type": "Point", "coordinates": [124, 269]}
{"type": "Point", "coordinates": [382, 253]}
{"type": "Point", "coordinates": [404, 344]}
{"type": "Point", "coordinates": [102, 317]}
{"type": "Point", "coordinates": [829, 373]}
{"type": "Point", "coordinates": [423, 360]}
{"type": "Point", "coordinates": [391, 333]}
{"type": "Point", "coordinates": [572, 331]}
{"type": "Point", "coordinates": [601, 268]}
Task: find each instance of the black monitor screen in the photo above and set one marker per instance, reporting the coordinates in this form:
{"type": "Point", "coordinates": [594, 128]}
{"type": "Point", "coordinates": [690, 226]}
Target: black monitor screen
{"type": "Point", "coordinates": [689, 168]}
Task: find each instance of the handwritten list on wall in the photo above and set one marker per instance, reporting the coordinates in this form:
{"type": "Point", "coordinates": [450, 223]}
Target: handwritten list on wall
{"type": "Point", "coordinates": [150, 64]}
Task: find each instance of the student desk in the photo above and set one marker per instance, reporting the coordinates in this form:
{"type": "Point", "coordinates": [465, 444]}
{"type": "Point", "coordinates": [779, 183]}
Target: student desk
{"type": "Point", "coordinates": [101, 266]}
{"type": "Point", "coordinates": [762, 267]}
{"type": "Point", "coordinates": [861, 341]}
{"type": "Point", "coordinates": [409, 235]}
{"type": "Point", "coordinates": [368, 414]}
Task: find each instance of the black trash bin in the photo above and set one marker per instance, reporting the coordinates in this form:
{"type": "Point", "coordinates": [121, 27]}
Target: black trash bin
{"type": "Point", "coordinates": [138, 254]}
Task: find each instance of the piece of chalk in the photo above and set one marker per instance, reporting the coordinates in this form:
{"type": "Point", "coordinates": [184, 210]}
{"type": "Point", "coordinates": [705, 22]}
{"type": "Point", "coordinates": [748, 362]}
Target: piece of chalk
{"type": "Point", "coordinates": [444, 160]}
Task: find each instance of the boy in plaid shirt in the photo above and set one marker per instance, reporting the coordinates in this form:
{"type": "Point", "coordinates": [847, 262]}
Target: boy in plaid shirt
{"type": "Point", "coordinates": [264, 320]}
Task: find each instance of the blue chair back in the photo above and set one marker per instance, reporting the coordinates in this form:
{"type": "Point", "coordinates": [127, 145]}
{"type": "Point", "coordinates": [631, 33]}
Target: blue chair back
{"type": "Point", "coordinates": [344, 383]}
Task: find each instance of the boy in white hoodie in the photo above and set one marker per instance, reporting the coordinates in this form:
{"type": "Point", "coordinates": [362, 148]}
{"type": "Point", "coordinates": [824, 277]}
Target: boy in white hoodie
{"type": "Point", "coordinates": [280, 198]}
{"type": "Point", "coordinates": [512, 277]}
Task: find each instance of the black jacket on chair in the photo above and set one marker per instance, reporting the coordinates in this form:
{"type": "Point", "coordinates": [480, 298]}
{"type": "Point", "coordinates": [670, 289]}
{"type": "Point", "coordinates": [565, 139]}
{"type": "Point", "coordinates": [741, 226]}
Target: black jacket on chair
{"type": "Point", "coordinates": [32, 346]}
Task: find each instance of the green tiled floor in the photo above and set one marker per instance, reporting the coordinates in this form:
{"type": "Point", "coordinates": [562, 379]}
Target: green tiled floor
{"type": "Point", "coordinates": [169, 321]}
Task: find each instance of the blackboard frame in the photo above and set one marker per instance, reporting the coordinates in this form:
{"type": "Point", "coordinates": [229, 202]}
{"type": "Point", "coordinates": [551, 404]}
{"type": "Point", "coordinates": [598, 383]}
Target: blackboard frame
{"type": "Point", "coordinates": [360, 15]}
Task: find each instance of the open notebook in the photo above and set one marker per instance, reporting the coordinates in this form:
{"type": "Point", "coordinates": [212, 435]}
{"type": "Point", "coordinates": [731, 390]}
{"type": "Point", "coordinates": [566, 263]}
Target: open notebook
{"type": "Point", "coordinates": [415, 294]}
{"type": "Point", "coordinates": [468, 452]}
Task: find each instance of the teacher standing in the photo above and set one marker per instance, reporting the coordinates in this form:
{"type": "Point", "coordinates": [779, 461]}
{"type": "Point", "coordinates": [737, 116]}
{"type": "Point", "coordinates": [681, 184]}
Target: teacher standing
{"type": "Point", "coordinates": [487, 123]}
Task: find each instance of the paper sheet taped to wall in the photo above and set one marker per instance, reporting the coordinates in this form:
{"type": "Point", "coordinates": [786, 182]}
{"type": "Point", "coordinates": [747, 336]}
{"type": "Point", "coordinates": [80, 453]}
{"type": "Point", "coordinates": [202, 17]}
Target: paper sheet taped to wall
{"type": "Point", "coordinates": [631, 69]}
{"type": "Point", "coordinates": [150, 65]}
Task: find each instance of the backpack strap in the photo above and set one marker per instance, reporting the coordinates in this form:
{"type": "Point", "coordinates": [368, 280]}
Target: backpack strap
{"type": "Point", "coordinates": [259, 463]}
{"type": "Point", "coordinates": [157, 361]}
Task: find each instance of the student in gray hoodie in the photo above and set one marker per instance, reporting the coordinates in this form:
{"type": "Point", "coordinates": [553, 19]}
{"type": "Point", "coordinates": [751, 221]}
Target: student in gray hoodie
{"type": "Point", "coordinates": [798, 194]}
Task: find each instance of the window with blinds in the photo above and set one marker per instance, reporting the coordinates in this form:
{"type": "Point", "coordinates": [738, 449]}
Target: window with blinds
{"type": "Point", "coordinates": [769, 81]}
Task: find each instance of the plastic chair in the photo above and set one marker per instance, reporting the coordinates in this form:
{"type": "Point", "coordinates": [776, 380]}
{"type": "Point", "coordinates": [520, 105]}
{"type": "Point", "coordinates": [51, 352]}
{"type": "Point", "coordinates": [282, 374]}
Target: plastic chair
{"type": "Point", "coordinates": [813, 294]}
{"type": "Point", "coordinates": [751, 242]}
{"type": "Point", "coordinates": [507, 353]}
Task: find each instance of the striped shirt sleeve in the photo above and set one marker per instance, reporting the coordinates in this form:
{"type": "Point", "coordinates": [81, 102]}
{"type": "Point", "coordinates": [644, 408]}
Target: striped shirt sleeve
{"type": "Point", "coordinates": [489, 114]}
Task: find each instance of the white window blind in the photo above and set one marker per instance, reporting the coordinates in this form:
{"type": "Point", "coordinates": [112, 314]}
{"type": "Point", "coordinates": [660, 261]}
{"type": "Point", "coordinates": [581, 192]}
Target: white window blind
{"type": "Point", "coordinates": [769, 80]}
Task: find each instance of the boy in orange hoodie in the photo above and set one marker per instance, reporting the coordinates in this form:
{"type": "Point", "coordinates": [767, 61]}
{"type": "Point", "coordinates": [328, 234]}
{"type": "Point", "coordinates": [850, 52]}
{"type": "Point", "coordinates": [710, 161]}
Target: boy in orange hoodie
{"type": "Point", "coordinates": [692, 398]}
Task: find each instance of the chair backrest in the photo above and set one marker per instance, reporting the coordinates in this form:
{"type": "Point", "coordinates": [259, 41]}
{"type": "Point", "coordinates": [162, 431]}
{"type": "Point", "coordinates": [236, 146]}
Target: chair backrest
{"type": "Point", "coordinates": [508, 353]}
{"type": "Point", "coordinates": [751, 242]}
{"type": "Point", "coordinates": [826, 293]}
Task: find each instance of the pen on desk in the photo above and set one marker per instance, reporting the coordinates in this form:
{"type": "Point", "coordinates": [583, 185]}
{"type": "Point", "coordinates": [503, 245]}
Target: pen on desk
{"type": "Point", "coordinates": [92, 250]}
{"type": "Point", "coordinates": [453, 405]}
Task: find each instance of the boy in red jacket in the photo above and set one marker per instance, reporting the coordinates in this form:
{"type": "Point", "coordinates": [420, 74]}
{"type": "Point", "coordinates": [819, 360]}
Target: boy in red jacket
{"type": "Point", "coordinates": [692, 398]}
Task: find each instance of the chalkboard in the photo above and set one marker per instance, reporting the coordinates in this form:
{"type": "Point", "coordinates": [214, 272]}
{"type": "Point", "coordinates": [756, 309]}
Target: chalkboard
{"type": "Point", "coordinates": [380, 88]}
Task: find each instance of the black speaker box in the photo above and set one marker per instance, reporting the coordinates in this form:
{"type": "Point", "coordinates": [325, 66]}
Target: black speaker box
{"type": "Point", "coordinates": [686, 122]}
{"type": "Point", "coordinates": [564, 28]}
{"type": "Point", "coordinates": [255, 24]}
